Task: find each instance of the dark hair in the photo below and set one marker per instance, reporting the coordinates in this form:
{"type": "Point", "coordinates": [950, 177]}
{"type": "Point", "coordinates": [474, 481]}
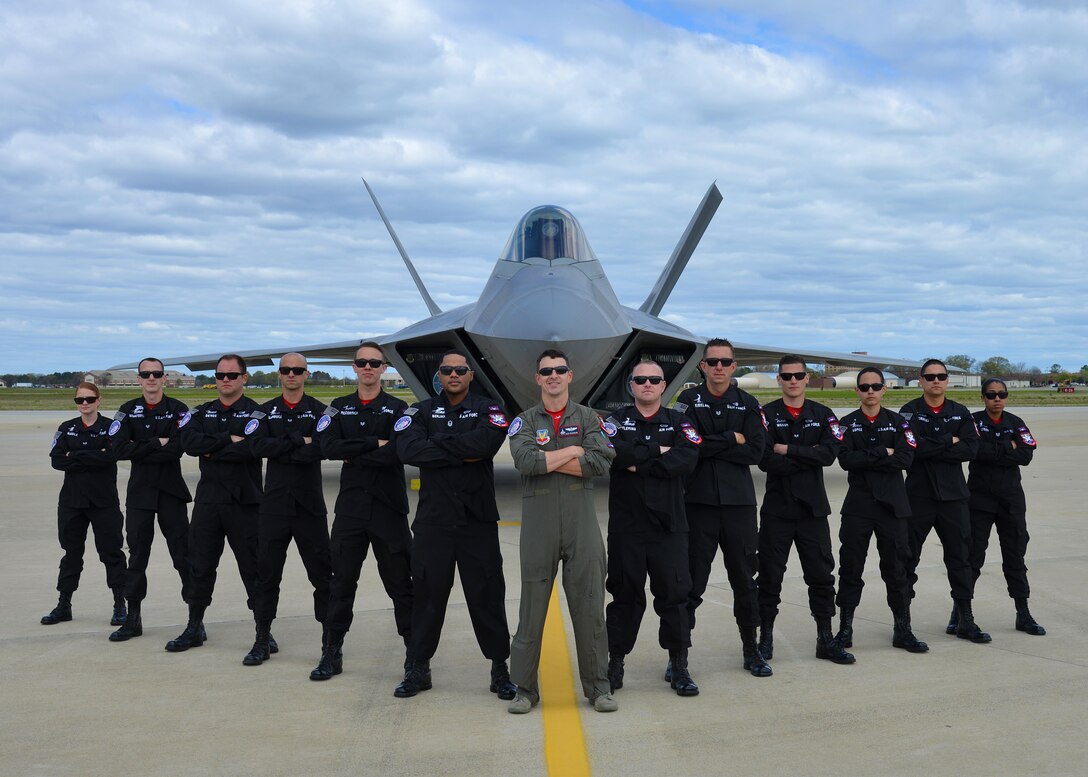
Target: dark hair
{"type": "Point", "coordinates": [718, 342]}
{"type": "Point", "coordinates": [869, 368]}
{"type": "Point", "coordinates": [930, 363]}
{"type": "Point", "coordinates": [233, 357]}
{"type": "Point", "coordinates": [150, 359]}
{"type": "Point", "coordinates": [89, 387]}
{"type": "Point", "coordinates": [456, 352]}
{"type": "Point", "coordinates": [370, 344]}
{"type": "Point", "coordinates": [988, 381]}
{"type": "Point", "coordinates": [792, 358]}
{"type": "Point", "coordinates": [552, 353]}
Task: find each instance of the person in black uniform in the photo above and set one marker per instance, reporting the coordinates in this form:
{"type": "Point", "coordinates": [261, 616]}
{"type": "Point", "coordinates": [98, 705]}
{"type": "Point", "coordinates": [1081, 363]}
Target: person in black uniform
{"type": "Point", "coordinates": [372, 507]}
{"type": "Point", "coordinates": [453, 438]}
{"type": "Point", "coordinates": [997, 497]}
{"type": "Point", "coordinates": [293, 505]}
{"type": "Point", "coordinates": [877, 447]}
{"type": "Point", "coordinates": [227, 495]}
{"type": "Point", "coordinates": [946, 437]}
{"type": "Point", "coordinates": [803, 437]}
{"type": "Point", "coordinates": [145, 432]}
{"type": "Point", "coordinates": [81, 450]}
{"type": "Point", "coordinates": [720, 498]}
{"type": "Point", "coordinates": [656, 449]}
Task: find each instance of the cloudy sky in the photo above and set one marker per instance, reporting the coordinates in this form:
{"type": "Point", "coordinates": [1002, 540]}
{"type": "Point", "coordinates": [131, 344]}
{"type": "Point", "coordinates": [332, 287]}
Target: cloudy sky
{"type": "Point", "coordinates": [909, 179]}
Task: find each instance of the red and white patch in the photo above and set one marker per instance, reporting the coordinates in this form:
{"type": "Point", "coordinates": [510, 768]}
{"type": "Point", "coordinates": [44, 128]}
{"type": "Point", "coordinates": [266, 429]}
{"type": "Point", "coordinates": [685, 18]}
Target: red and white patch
{"type": "Point", "coordinates": [766, 426]}
{"type": "Point", "coordinates": [833, 425]}
{"type": "Point", "coordinates": [1026, 437]}
{"type": "Point", "coordinates": [911, 441]}
{"type": "Point", "coordinates": [498, 419]}
{"type": "Point", "coordinates": [691, 434]}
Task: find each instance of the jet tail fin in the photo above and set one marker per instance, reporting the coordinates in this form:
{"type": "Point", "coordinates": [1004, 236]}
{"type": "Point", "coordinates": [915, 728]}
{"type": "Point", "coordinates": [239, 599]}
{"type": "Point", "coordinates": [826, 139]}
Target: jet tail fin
{"type": "Point", "coordinates": [683, 251]}
{"type": "Point", "coordinates": [431, 305]}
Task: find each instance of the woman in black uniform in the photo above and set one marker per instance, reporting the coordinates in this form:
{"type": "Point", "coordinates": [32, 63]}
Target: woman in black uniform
{"type": "Point", "coordinates": [997, 498]}
{"type": "Point", "coordinates": [81, 450]}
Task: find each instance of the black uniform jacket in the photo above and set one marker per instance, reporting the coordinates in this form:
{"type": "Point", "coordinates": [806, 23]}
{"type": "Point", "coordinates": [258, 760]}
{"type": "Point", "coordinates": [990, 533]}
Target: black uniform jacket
{"type": "Point", "coordinates": [937, 471]}
{"type": "Point", "coordinates": [135, 434]}
{"type": "Point", "coordinates": [994, 475]}
{"type": "Point", "coordinates": [874, 476]}
{"type": "Point", "coordinates": [229, 472]}
{"type": "Point", "coordinates": [795, 482]}
{"type": "Point", "coordinates": [350, 431]}
{"type": "Point", "coordinates": [293, 475]}
{"type": "Point", "coordinates": [453, 446]}
{"type": "Point", "coordinates": [723, 475]}
{"type": "Point", "coordinates": [84, 455]}
{"type": "Point", "coordinates": [652, 497]}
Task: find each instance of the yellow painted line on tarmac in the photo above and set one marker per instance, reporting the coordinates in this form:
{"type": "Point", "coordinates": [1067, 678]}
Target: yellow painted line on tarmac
{"type": "Point", "coordinates": [564, 741]}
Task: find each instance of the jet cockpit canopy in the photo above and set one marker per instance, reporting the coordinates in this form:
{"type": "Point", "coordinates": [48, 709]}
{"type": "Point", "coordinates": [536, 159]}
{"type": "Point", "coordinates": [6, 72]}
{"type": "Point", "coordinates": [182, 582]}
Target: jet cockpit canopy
{"type": "Point", "coordinates": [550, 233]}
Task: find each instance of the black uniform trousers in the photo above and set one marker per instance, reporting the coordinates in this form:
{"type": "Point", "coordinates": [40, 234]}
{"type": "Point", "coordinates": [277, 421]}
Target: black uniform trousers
{"type": "Point", "coordinates": [274, 533]}
{"type": "Point", "coordinates": [213, 523]}
{"type": "Point", "coordinates": [952, 520]}
{"type": "Point", "coordinates": [72, 523]}
{"type": "Point", "coordinates": [352, 536]}
{"type": "Point", "coordinates": [140, 533]}
{"type": "Point", "coordinates": [474, 549]}
{"type": "Point", "coordinates": [664, 555]}
{"type": "Point", "coordinates": [1012, 532]}
{"type": "Point", "coordinates": [812, 536]}
{"type": "Point", "coordinates": [892, 547]}
{"type": "Point", "coordinates": [732, 528]}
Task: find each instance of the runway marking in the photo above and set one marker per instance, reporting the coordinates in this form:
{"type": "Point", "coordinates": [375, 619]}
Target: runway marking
{"type": "Point", "coordinates": [564, 741]}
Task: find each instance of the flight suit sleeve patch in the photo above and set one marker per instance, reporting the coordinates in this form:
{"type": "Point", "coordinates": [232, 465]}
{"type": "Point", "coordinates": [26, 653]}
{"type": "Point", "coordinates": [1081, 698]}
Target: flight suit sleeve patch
{"type": "Point", "coordinates": [56, 436]}
{"type": "Point", "coordinates": [909, 435]}
{"type": "Point", "coordinates": [185, 419]}
{"type": "Point", "coordinates": [115, 427]}
{"type": "Point", "coordinates": [608, 426]}
{"type": "Point", "coordinates": [323, 422]}
{"type": "Point", "coordinates": [763, 418]}
{"type": "Point", "coordinates": [691, 434]}
{"type": "Point", "coordinates": [833, 425]}
{"type": "Point", "coordinates": [680, 407]}
{"type": "Point", "coordinates": [498, 419]}
{"type": "Point", "coordinates": [1026, 437]}
{"type": "Point", "coordinates": [515, 427]}
{"type": "Point", "coordinates": [403, 422]}
{"type": "Point", "coordinates": [251, 426]}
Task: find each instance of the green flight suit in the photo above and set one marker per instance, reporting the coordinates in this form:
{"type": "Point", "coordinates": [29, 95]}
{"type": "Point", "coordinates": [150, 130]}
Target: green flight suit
{"type": "Point", "coordinates": [559, 522]}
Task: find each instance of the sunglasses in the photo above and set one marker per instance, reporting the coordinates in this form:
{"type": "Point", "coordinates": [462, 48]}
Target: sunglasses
{"type": "Point", "coordinates": [371, 363]}
{"type": "Point", "coordinates": [460, 369]}
{"type": "Point", "coordinates": [642, 380]}
{"type": "Point", "coordinates": [228, 375]}
{"type": "Point", "coordinates": [995, 394]}
{"type": "Point", "coordinates": [85, 400]}
{"type": "Point", "coordinates": [786, 376]}
{"type": "Point", "coordinates": [145, 374]}
{"type": "Point", "coordinates": [546, 371]}
{"type": "Point", "coordinates": [292, 370]}
{"type": "Point", "coordinates": [863, 387]}
{"type": "Point", "coordinates": [722, 362]}
{"type": "Point", "coordinates": [936, 376]}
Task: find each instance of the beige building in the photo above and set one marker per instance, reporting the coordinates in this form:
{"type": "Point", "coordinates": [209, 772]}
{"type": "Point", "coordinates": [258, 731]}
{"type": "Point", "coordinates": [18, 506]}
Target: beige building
{"type": "Point", "coordinates": [121, 378]}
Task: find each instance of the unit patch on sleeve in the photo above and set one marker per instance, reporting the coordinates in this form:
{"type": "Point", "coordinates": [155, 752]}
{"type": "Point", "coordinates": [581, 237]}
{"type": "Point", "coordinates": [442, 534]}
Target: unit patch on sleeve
{"type": "Point", "coordinates": [402, 423]}
{"type": "Point", "coordinates": [515, 427]}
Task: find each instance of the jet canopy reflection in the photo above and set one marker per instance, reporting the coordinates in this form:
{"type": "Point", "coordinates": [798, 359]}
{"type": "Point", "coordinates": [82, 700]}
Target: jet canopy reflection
{"type": "Point", "coordinates": [548, 233]}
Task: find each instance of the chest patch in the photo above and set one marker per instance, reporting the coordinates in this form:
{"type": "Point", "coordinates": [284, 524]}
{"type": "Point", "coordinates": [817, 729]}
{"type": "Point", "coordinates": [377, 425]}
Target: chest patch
{"type": "Point", "coordinates": [570, 431]}
{"type": "Point", "coordinates": [542, 437]}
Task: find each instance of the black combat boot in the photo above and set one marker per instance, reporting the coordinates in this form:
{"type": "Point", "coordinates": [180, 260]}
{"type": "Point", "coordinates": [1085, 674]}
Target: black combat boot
{"type": "Point", "coordinates": [766, 639]}
{"type": "Point", "coordinates": [846, 627]}
{"type": "Point", "coordinates": [967, 628]}
{"type": "Point", "coordinates": [416, 679]}
{"type": "Point", "coordinates": [62, 612]}
{"type": "Point", "coordinates": [133, 625]}
{"type": "Point", "coordinates": [273, 646]}
{"type": "Point", "coordinates": [615, 671]}
{"type": "Point", "coordinates": [259, 653]}
{"type": "Point", "coordinates": [753, 661]}
{"type": "Point", "coordinates": [332, 655]}
{"type": "Point", "coordinates": [1024, 621]}
{"type": "Point", "coordinates": [827, 646]}
{"type": "Point", "coordinates": [681, 680]}
{"type": "Point", "coordinates": [194, 635]}
{"type": "Point", "coordinates": [953, 620]}
{"type": "Point", "coordinates": [902, 636]}
{"type": "Point", "coordinates": [668, 671]}
{"type": "Point", "coordinates": [500, 681]}
{"type": "Point", "coordinates": [119, 611]}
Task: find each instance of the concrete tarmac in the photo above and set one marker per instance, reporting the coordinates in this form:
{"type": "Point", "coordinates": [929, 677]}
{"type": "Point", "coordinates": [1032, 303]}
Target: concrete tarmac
{"type": "Point", "coordinates": [75, 704]}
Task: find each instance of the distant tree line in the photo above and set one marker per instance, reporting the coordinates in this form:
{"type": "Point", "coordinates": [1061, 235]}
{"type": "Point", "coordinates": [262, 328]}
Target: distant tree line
{"type": "Point", "coordinates": [1001, 367]}
{"type": "Point", "coordinates": [52, 380]}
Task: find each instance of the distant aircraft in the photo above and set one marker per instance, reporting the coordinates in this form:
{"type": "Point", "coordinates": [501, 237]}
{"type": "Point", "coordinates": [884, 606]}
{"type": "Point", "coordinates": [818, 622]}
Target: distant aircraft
{"type": "Point", "coordinates": [548, 289]}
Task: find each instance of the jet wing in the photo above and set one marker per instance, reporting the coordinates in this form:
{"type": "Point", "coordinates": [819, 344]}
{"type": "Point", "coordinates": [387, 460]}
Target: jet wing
{"type": "Point", "coordinates": [750, 353]}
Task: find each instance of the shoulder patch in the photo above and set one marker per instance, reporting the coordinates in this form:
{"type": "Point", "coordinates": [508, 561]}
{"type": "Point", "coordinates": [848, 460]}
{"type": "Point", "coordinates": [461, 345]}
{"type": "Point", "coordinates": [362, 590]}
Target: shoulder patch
{"type": "Point", "coordinates": [56, 436]}
{"type": "Point", "coordinates": [515, 427]}
{"type": "Point", "coordinates": [680, 407]}
{"type": "Point", "coordinates": [185, 418]}
{"type": "Point", "coordinates": [691, 434]}
{"type": "Point", "coordinates": [119, 416]}
{"type": "Point", "coordinates": [330, 411]}
{"type": "Point", "coordinates": [497, 418]}
{"type": "Point", "coordinates": [411, 411]}
{"type": "Point", "coordinates": [404, 421]}
{"type": "Point", "coordinates": [608, 426]}
{"type": "Point", "coordinates": [1026, 437]}
{"type": "Point", "coordinates": [251, 426]}
{"type": "Point", "coordinates": [909, 435]}
{"type": "Point", "coordinates": [833, 425]}
{"type": "Point", "coordinates": [115, 427]}
{"type": "Point", "coordinates": [257, 414]}
{"type": "Point", "coordinates": [324, 421]}
{"type": "Point", "coordinates": [763, 418]}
